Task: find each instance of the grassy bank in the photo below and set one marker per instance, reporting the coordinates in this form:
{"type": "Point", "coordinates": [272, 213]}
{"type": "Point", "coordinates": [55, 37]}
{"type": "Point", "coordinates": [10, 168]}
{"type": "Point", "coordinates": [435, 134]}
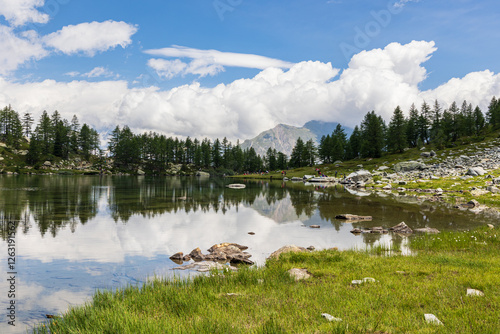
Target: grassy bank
{"type": "Point", "coordinates": [267, 300]}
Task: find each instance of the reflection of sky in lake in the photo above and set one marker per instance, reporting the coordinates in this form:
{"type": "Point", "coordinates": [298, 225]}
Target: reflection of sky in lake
{"type": "Point", "coordinates": [57, 272]}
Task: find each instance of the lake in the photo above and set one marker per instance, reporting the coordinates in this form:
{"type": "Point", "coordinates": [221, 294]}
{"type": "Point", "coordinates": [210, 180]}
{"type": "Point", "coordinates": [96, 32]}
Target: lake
{"type": "Point", "coordinates": [77, 234]}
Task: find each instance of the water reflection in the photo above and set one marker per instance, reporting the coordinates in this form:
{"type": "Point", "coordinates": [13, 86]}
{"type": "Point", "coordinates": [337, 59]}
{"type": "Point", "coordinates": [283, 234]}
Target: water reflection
{"type": "Point", "coordinates": [78, 234]}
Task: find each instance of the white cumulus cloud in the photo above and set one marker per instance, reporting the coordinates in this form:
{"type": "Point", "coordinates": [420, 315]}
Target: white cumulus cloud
{"type": "Point", "coordinates": [20, 12]}
{"type": "Point", "coordinates": [91, 37]}
{"type": "Point", "coordinates": [17, 50]}
{"type": "Point", "coordinates": [379, 80]}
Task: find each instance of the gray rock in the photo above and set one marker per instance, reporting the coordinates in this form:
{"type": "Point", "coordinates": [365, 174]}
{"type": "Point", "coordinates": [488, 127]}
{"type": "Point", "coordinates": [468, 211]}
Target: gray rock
{"type": "Point", "coordinates": [407, 166]}
{"type": "Point", "coordinates": [299, 274]}
{"type": "Point", "coordinates": [432, 319]}
{"type": "Point", "coordinates": [401, 228]}
{"type": "Point", "coordinates": [474, 292]}
{"type": "Point", "coordinates": [330, 317]}
{"type": "Point", "coordinates": [285, 249]}
{"type": "Point", "coordinates": [360, 176]}
{"type": "Point", "coordinates": [202, 174]}
{"type": "Point", "coordinates": [476, 171]}
{"type": "Point", "coordinates": [427, 230]}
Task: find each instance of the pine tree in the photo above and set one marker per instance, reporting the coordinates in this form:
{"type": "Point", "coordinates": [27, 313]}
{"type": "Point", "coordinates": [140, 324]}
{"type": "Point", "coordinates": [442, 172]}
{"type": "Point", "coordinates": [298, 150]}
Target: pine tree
{"type": "Point", "coordinates": [479, 122]}
{"type": "Point", "coordinates": [354, 145]}
{"type": "Point", "coordinates": [297, 154]}
{"type": "Point", "coordinates": [27, 123]}
{"type": "Point", "coordinates": [396, 134]}
{"type": "Point", "coordinates": [372, 135]}
{"type": "Point", "coordinates": [412, 132]}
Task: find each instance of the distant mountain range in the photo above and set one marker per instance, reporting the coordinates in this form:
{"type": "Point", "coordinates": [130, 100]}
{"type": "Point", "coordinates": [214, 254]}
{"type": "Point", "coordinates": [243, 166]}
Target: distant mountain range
{"type": "Point", "coordinates": [283, 137]}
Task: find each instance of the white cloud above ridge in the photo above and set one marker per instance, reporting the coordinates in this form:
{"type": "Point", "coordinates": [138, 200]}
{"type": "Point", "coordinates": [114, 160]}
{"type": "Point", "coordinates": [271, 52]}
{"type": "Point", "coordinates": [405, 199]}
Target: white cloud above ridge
{"type": "Point", "coordinates": [378, 80]}
{"type": "Point", "coordinates": [20, 12]}
{"type": "Point", "coordinates": [90, 38]}
{"type": "Point", "coordinates": [206, 62]}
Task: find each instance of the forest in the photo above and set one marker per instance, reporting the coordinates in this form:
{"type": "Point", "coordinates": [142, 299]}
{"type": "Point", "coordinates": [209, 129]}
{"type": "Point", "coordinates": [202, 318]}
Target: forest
{"type": "Point", "coordinates": [56, 138]}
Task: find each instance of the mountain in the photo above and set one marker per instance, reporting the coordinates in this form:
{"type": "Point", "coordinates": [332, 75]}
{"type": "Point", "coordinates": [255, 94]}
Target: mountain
{"type": "Point", "coordinates": [283, 137]}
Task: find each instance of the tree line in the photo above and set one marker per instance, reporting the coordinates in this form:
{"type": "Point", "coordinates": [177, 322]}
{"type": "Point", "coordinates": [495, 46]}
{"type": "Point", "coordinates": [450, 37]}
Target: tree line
{"type": "Point", "coordinates": [53, 135]}
{"type": "Point", "coordinates": [428, 126]}
{"type": "Point", "coordinates": [153, 152]}
{"type": "Point", "coordinates": [58, 137]}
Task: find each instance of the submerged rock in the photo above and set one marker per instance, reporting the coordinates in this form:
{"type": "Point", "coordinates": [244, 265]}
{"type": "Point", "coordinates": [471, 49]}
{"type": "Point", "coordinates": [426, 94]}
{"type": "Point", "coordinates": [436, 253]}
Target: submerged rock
{"type": "Point", "coordinates": [348, 216]}
{"type": "Point", "coordinates": [205, 266]}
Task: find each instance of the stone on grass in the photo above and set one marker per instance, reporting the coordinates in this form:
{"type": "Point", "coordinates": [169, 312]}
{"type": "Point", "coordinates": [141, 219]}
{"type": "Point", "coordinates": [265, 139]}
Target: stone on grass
{"type": "Point", "coordinates": [474, 292]}
{"type": "Point", "coordinates": [299, 274]}
{"type": "Point", "coordinates": [490, 226]}
{"type": "Point", "coordinates": [427, 230]}
{"type": "Point", "coordinates": [432, 319]}
{"type": "Point", "coordinates": [330, 317]}
{"type": "Point", "coordinates": [286, 249]}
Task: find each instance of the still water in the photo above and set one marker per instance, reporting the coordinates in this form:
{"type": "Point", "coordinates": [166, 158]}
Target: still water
{"type": "Point", "coordinates": [77, 234]}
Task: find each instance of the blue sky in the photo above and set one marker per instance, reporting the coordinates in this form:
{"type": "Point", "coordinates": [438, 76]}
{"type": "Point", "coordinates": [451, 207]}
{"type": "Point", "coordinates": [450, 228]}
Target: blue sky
{"type": "Point", "coordinates": [237, 67]}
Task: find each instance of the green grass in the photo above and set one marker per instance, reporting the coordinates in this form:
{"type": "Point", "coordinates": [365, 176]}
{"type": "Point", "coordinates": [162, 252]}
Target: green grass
{"type": "Point", "coordinates": [434, 279]}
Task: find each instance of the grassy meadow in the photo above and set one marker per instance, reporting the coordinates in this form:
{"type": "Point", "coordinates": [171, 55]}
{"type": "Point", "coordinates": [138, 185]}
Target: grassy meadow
{"type": "Point", "coordinates": [433, 279]}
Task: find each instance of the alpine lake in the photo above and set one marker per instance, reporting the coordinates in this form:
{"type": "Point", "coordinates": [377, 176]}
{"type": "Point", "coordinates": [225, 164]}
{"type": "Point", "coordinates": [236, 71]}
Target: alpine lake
{"type": "Point", "coordinates": [78, 234]}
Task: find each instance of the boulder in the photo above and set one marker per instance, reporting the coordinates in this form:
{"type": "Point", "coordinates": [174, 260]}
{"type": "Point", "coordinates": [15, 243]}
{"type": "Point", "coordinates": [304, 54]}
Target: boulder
{"type": "Point", "coordinates": [401, 228]}
{"type": "Point", "coordinates": [314, 226]}
{"type": "Point", "coordinates": [240, 258]}
{"type": "Point", "coordinates": [196, 254]}
{"type": "Point", "coordinates": [360, 176]}
{"type": "Point", "coordinates": [475, 171]}
{"type": "Point", "coordinates": [202, 174]}
{"type": "Point", "coordinates": [286, 249]}
{"type": "Point", "coordinates": [226, 244]}
{"type": "Point", "coordinates": [177, 256]}
{"type": "Point", "coordinates": [408, 166]}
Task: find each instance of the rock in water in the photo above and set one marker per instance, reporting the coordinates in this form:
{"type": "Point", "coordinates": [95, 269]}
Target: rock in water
{"type": "Point", "coordinates": [177, 256]}
{"type": "Point", "coordinates": [196, 254]}
{"type": "Point", "coordinates": [401, 228]}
